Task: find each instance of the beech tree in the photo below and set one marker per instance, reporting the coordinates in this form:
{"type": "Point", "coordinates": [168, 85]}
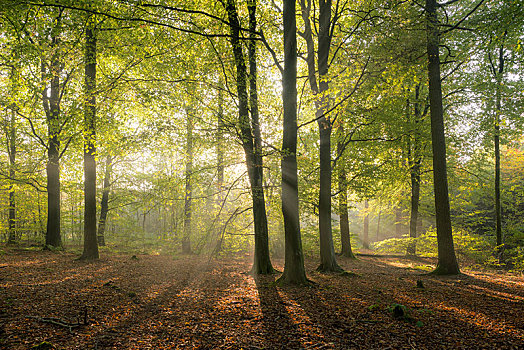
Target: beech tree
{"type": "Point", "coordinates": [447, 261]}
{"type": "Point", "coordinates": [328, 261]}
{"type": "Point", "coordinates": [90, 237]}
{"type": "Point", "coordinates": [294, 272]}
{"type": "Point", "coordinates": [250, 132]}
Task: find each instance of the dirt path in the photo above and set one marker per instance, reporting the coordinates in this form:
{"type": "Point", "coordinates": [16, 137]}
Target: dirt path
{"type": "Point", "coordinates": [158, 302]}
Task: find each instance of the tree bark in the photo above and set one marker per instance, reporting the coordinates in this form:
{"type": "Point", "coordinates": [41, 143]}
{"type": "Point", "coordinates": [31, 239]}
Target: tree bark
{"type": "Point", "coordinates": [11, 150]}
{"type": "Point", "coordinates": [415, 160]}
{"type": "Point", "coordinates": [11, 147]}
{"type": "Point", "coordinates": [294, 272]}
{"type": "Point", "coordinates": [250, 133]}
{"type": "Point", "coordinates": [220, 165]}
{"type": "Point", "coordinates": [104, 203]}
{"type": "Point", "coordinates": [447, 261]}
{"type": "Point", "coordinates": [220, 143]}
{"type": "Point", "coordinates": [328, 261]}
{"type": "Point", "coordinates": [498, 72]}
{"type": "Point", "coordinates": [52, 109]}
{"type": "Point", "coordinates": [262, 262]}
{"type": "Point", "coordinates": [90, 239]}
{"type": "Point", "coordinates": [345, 238]}
{"type": "Point", "coordinates": [186, 240]}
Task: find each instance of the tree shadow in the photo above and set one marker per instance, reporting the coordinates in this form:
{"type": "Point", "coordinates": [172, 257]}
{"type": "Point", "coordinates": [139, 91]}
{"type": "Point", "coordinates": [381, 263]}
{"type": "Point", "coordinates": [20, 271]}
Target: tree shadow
{"type": "Point", "coordinates": [280, 330]}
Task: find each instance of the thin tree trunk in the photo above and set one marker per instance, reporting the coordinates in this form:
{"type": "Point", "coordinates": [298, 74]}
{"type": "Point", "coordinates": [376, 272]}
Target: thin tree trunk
{"type": "Point", "coordinates": [220, 143]}
{"type": "Point", "coordinates": [415, 159]}
{"type": "Point", "coordinates": [220, 165]}
{"type": "Point", "coordinates": [345, 238]}
{"type": "Point", "coordinates": [11, 147]}
{"type": "Point", "coordinates": [365, 241]}
{"type": "Point", "coordinates": [447, 261]}
{"type": "Point", "coordinates": [498, 72]}
{"type": "Point", "coordinates": [11, 150]}
{"type": "Point", "coordinates": [186, 241]}
{"type": "Point", "coordinates": [294, 272]}
{"type": "Point", "coordinates": [104, 203]}
{"type": "Point", "coordinates": [90, 239]}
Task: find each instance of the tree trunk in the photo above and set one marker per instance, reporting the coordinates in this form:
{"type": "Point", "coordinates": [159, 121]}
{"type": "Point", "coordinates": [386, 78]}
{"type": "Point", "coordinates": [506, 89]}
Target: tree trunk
{"type": "Point", "coordinates": [328, 261]}
{"type": "Point", "coordinates": [294, 272]}
{"type": "Point", "coordinates": [498, 72]}
{"type": "Point", "coordinates": [186, 241]}
{"type": "Point", "coordinates": [52, 109]}
{"type": "Point", "coordinates": [11, 150]}
{"type": "Point", "coordinates": [250, 134]}
{"type": "Point", "coordinates": [365, 241]}
{"type": "Point", "coordinates": [415, 159]}
{"type": "Point", "coordinates": [447, 261]}
{"type": "Point", "coordinates": [104, 204]}
{"type": "Point", "coordinates": [345, 238]}
{"type": "Point", "coordinates": [262, 262]}
{"type": "Point", "coordinates": [90, 239]}
{"type": "Point", "coordinates": [220, 165]}
{"type": "Point", "coordinates": [220, 143]}
{"type": "Point", "coordinates": [413, 220]}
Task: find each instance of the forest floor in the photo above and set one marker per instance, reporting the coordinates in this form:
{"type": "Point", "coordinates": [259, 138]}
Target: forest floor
{"type": "Point", "coordinates": [166, 302]}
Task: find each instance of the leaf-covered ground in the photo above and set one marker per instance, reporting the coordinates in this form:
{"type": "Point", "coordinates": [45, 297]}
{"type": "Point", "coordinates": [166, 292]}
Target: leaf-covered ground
{"type": "Point", "coordinates": [161, 302]}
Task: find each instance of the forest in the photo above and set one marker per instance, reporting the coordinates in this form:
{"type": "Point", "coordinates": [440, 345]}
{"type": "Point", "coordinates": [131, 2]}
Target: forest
{"type": "Point", "coordinates": [303, 174]}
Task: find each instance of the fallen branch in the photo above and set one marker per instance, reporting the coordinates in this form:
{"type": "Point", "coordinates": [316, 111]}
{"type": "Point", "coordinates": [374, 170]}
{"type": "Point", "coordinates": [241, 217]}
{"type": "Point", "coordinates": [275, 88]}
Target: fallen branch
{"type": "Point", "coordinates": [60, 322]}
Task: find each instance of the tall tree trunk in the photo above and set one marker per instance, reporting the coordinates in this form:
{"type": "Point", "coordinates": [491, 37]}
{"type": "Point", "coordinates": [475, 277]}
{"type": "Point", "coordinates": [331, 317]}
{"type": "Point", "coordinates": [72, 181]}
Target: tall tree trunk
{"type": "Point", "coordinates": [328, 261]}
{"type": "Point", "coordinates": [186, 241]}
{"type": "Point", "coordinates": [90, 239]}
{"type": "Point", "coordinates": [11, 150]}
{"type": "Point", "coordinates": [415, 159]}
{"type": "Point", "coordinates": [52, 109]}
{"type": "Point", "coordinates": [220, 142]}
{"type": "Point", "coordinates": [104, 203]}
{"type": "Point", "coordinates": [365, 241]}
{"type": "Point", "coordinates": [251, 139]}
{"type": "Point", "coordinates": [220, 165]}
{"type": "Point", "coordinates": [447, 261]}
{"type": "Point", "coordinates": [498, 72]}
{"type": "Point", "coordinates": [294, 272]}
{"type": "Point", "coordinates": [262, 262]}
{"type": "Point", "coordinates": [345, 238]}
{"type": "Point", "coordinates": [415, 199]}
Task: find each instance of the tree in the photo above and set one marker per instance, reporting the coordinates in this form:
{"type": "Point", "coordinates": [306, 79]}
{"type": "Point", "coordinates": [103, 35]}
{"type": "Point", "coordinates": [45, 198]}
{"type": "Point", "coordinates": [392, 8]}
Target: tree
{"type": "Point", "coordinates": [90, 238]}
{"type": "Point", "coordinates": [328, 261]}
{"type": "Point", "coordinates": [188, 193]}
{"type": "Point", "coordinates": [447, 261]}
{"type": "Point", "coordinates": [250, 132]}
{"type": "Point", "coordinates": [51, 72]}
{"type": "Point", "coordinates": [345, 238]}
{"type": "Point", "coordinates": [294, 272]}
{"type": "Point", "coordinates": [415, 161]}
{"type": "Point", "coordinates": [104, 202]}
